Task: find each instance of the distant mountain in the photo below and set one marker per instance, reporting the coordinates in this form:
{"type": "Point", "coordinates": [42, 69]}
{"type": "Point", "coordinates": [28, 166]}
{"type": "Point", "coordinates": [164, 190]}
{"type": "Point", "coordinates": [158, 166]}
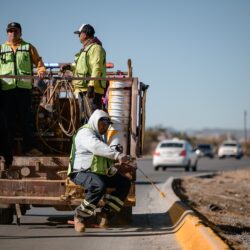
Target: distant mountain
{"type": "Point", "coordinates": [169, 132]}
{"type": "Point", "coordinates": [217, 132]}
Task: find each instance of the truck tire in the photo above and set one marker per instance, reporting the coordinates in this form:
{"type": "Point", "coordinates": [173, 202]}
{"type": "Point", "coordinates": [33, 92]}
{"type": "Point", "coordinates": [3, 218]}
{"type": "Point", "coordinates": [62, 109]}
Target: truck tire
{"type": "Point", "coordinates": [6, 215]}
{"type": "Point", "coordinates": [24, 208]}
{"type": "Point", "coordinates": [124, 217]}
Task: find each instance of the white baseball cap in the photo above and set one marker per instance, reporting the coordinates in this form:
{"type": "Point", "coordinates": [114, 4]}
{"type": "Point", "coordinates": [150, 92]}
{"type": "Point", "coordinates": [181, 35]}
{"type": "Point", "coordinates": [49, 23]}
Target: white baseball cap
{"type": "Point", "coordinates": [86, 28]}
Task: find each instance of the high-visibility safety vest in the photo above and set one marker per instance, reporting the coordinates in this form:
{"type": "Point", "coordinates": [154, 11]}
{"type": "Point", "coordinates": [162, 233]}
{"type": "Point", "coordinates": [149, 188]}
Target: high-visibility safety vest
{"type": "Point", "coordinates": [18, 63]}
{"type": "Point", "coordinates": [100, 165]}
{"type": "Point", "coordinates": [82, 67]}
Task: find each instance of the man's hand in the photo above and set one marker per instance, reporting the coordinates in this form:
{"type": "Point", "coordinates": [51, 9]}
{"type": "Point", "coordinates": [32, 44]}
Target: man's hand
{"type": "Point", "coordinates": [126, 170]}
{"type": "Point", "coordinates": [91, 92]}
{"type": "Point", "coordinates": [65, 67]}
{"type": "Point", "coordinates": [41, 75]}
{"type": "Point", "coordinates": [122, 158]}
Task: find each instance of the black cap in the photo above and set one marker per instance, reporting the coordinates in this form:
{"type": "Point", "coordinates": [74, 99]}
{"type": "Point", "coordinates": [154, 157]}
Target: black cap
{"type": "Point", "coordinates": [14, 25]}
{"type": "Point", "coordinates": [106, 120]}
{"type": "Point", "coordinates": [87, 29]}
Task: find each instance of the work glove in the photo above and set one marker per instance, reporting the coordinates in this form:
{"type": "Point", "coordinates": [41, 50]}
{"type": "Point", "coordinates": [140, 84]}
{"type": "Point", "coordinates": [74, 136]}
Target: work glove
{"type": "Point", "coordinates": [127, 170]}
{"type": "Point", "coordinates": [112, 171]}
{"type": "Point", "coordinates": [65, 67]}
{"type": "Point", "coordinates": [41, 74]}
{"type": "Point", "coordinates": [90, 92]}
{"type": "Point", "coordinates": [124, 168]}
{"type": "Point", "coordinates": [122, 158]}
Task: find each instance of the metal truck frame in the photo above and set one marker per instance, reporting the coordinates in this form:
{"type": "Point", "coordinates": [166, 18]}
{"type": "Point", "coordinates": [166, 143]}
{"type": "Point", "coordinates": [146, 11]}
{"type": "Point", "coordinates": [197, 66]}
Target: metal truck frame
{"type": "Point", "coordinates": [43, 181]}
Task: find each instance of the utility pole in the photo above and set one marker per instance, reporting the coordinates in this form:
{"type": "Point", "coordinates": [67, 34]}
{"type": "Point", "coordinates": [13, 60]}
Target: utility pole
{"type": "Point", "coordinates": [245, 126]}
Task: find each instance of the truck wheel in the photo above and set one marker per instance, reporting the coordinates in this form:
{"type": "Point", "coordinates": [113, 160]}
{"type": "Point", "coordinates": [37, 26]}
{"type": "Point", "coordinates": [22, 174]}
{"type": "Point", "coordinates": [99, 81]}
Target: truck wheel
{"type": "Point", "coordinates": [6, 215]}
{"type": "Point", "coordinates": [24, 208]}
{"type": "Point", "coordinates": [124, 217]}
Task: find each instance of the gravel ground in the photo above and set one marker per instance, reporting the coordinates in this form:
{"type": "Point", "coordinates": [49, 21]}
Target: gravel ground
{"type": "Point", "coordinates": [223, 203]}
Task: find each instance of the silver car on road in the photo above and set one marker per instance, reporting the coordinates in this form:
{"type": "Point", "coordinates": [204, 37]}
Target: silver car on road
{"type": "Point", "coordinates": [175, 153]}
{"type": "Point", "coordinates": [230, 148]}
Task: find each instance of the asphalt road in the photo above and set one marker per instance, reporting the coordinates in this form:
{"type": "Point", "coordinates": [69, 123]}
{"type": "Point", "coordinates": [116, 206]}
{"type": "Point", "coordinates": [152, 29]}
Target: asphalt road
{"type": "Point", "coordinates": [205, 165]}
{"type": "Point", "coordinates": [45, 228]}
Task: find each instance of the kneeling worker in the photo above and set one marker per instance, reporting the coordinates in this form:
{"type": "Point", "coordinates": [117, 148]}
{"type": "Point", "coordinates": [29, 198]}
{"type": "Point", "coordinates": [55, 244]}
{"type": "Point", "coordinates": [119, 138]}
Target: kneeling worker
{"type": "Point", "coordinates": [92, 166]}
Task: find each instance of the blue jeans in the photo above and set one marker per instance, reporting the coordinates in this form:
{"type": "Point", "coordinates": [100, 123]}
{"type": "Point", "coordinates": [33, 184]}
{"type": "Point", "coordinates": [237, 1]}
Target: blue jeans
{"type": "Point", "coordinates": [95, 187]}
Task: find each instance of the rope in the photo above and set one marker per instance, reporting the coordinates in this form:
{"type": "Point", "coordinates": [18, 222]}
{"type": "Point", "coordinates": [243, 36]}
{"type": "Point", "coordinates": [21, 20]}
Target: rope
{"type": "Point", "coordinates": [67, 126]}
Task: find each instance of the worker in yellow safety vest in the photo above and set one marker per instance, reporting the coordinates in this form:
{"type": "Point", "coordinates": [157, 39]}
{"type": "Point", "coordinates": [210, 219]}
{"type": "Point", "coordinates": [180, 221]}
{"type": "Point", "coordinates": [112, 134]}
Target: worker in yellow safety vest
{"type": "Point", "coordinates": [18, 57]}
{"type": "Point", "coordinates": [92, 166]}
{"type": "Point", "coordinates": [90, 61]}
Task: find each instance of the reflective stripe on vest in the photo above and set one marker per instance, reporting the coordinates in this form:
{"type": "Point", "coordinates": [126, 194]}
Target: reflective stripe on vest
{"type": "Point", "coordinates": [99, 164]}
{"type": "Point", "coordinates": [18, 63]}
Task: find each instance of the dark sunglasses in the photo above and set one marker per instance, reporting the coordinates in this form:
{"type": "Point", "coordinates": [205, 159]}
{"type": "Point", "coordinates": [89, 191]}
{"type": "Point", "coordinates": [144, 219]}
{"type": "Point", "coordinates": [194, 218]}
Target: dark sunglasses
{"type": "Point", "coordinates": [13, 30]}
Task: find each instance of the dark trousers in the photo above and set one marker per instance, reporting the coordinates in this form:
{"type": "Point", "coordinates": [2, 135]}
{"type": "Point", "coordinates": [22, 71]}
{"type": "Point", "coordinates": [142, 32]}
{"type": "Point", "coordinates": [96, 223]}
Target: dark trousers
{"type": "Point", "coordinates": [5, 147]}
{"type": "Point", "coordinates": [95, 185]}
{"type": "Point", "coordinates": [5, 144]}
{"type": "Point", "coordinates": [16, 108]}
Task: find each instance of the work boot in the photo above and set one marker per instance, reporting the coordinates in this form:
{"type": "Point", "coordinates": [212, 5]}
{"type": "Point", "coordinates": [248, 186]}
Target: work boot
{"type": "Point", "coordinates": [103, 219]}
{"type": "Point", "coordinates": [79, 225]}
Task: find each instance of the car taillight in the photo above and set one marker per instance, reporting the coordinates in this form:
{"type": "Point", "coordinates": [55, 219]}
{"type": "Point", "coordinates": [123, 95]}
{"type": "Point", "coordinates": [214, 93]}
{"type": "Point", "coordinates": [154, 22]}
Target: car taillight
{"type": "Point", "coordinates": [183, 153]}
{"type": "Point", "coordinates": [156, 153]}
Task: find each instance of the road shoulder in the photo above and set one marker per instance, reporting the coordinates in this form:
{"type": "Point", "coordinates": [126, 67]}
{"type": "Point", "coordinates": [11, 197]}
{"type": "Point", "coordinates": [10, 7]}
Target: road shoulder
{"type": "Point", "coordinates": [222, 202]}
{"type": "Point", "coordinates": [190, 231]}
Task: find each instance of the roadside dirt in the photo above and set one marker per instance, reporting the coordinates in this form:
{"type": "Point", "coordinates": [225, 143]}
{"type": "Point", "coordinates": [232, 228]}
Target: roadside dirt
{"type": "Point", "coordinates": [223, 203]}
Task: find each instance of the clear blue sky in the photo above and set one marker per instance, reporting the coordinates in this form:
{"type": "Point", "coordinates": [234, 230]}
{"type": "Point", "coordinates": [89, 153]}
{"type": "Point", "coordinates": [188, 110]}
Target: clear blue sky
{"type": "Point", "coordinates": [194, 54]}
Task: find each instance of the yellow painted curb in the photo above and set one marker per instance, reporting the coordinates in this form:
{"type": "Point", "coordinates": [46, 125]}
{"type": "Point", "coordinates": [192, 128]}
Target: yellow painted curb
{"type": "Point", "coordinates": [190, 232]}
{"type": "Point", "coordinates": [193, 235]}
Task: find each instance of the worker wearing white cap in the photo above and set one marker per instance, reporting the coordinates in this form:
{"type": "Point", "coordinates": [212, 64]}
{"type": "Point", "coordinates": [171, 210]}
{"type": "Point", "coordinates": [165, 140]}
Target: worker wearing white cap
{"type": "Point", "coordinates": [90, 61]}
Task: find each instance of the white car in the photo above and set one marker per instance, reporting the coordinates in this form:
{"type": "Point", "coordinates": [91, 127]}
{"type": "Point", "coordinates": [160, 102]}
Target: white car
{"type": "Point", "coordinates": [175, 153]}
{"type": "Point", "coordinates": [230, 149]}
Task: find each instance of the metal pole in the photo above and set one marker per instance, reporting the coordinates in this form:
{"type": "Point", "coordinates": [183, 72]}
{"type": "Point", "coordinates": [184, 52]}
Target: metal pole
{"type": "Point", "coordinates": [245, 126]}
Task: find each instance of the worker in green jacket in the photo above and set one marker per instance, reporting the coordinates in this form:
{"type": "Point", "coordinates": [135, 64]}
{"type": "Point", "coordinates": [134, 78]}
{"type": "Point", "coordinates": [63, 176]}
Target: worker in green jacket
{"type": "Point", "coordinates": [17, 57]}
{"type": "Point", "coordinates": [90, 61]}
